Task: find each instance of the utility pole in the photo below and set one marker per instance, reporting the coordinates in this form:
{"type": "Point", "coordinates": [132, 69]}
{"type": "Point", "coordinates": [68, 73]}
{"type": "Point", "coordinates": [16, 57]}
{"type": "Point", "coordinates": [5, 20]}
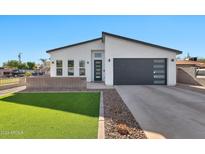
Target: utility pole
{"type": "Point", "coordinates": [19, 57]}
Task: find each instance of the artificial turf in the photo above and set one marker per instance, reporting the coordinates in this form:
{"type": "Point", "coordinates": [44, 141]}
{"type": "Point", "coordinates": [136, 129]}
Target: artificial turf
{"type": "Point", "coordinates": [49, 115]}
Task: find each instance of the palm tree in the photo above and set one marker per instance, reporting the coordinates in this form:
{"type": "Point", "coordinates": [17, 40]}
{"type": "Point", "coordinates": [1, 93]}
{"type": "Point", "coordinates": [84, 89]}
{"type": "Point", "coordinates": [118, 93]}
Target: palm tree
{"type": "Point", "coordinates": [43, 60]}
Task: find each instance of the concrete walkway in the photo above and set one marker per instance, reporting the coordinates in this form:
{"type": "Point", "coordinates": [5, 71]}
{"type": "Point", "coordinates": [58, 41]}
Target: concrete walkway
{"type": "Point", "coordinates": [169, 111]}
{"type": "Point", "coordinates": [98, 85]}
{"type": "Point", "coordinates": [12, 90]}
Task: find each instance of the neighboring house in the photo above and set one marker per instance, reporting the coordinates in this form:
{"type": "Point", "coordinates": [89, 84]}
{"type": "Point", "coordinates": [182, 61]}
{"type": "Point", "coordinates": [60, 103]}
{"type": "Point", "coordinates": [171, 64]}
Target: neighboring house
{"type": "Point", "coordinates": [43, 69]}
{"type": "Point", "coordinates": [191, 72]}
{"type": "Point", "coordinates": [5, 72]}
{"type": "Point", "coordinates": [116, 60]}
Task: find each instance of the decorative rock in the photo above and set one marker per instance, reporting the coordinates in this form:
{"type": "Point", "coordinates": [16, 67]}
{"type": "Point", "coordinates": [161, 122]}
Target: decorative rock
{"type": "Point", "coordinates": [119, 121]}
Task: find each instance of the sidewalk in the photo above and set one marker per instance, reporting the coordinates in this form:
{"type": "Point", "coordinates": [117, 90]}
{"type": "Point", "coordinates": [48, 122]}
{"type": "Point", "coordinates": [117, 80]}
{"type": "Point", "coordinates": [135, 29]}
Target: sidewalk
{"type": "Point", "coordinates": [12, 90]}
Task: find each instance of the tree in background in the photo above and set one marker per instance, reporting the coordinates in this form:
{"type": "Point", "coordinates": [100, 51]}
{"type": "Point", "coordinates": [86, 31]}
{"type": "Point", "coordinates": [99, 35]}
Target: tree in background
{"type": "Point", "coordinates": [43, 61]}
{"type": "Point", "coordinates": [19, 57]}
{"type": "Point", "coordinates": [14, 64]}
{"type": "Point", "coordinates": [31, 65]}
{"type": "Point", "coordinates": [187, 57]}
{"type": "Point", "coordinates": [11, 64]}
{"type": "Point", "coordinates": [22, 66]}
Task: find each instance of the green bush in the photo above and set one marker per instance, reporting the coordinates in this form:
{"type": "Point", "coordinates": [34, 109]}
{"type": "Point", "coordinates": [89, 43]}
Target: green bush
{"type": "Point", "coordinates": [28, 74]}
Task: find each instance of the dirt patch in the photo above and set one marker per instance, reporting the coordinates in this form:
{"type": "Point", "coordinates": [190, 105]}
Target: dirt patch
{"type": "Point", "coordinates": [119, 122]}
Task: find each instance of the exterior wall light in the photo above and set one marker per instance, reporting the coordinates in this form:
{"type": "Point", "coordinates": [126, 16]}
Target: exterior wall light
{"type": "Point", "coordinates": [172, 60]}
{"type": "Point", "coordinates": [87, 62]}
{"type": "Point", "coordinates": [109, 60]}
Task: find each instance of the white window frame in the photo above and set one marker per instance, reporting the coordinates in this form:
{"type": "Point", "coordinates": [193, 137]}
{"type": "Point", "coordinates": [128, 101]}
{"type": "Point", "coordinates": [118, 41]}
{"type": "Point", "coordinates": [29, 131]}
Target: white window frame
{"type": "Point", "coordinates": [71, 67]}
{"type": "Point", "coordinates": [82, 67]}
{"type": "Point", "coordinates": [59, 67]}
{"type": "Point", "coordinates": [98, 53]}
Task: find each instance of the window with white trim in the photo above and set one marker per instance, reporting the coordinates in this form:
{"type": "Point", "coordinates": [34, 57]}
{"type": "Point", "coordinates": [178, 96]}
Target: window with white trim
{"type": "Point", "coordinates": [98, 55]}
{"type": "Point", "coordinates": [70, 67]}
{"type": "Point", "coordinates": [59, 67]}
{"type": "Point", "coordinates": [82, 67]}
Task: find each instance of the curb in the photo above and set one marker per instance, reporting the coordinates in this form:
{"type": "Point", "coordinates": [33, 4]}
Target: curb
{"type": "Point", "coordinates": [153, 135]}
{"type": "Point", "coordinates": [101, 128]}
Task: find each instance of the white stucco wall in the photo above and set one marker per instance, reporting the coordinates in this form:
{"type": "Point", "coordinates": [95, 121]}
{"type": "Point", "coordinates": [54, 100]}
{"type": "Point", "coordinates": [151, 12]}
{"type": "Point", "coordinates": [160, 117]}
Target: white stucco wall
{"type": "Point", "coordinates": [76, 53]}
{"type": "Point", "coordinates": [119, 48]}
{"type": "Point", "coordinates": [113, 48]}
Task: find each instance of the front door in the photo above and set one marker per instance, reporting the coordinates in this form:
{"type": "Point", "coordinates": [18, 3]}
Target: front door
{"type": "Point", "coordinates": [98, 70]}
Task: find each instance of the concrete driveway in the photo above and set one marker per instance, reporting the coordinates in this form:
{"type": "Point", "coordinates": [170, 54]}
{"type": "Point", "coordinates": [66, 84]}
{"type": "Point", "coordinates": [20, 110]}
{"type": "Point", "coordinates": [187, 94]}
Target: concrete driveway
{"type": "Point", "coordinates": [170, 111]}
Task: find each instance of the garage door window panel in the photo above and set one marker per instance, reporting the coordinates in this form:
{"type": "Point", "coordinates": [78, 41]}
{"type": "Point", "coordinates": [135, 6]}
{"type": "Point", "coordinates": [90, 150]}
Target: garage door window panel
{"type": "Point", "coordinates": [159, 71]}
{"type": "Point", "coordinates": [159, 82]}
{"type": "Point", "coordinates": [158, 65]}
{"type": "Point", "coordinates": [159, 76]}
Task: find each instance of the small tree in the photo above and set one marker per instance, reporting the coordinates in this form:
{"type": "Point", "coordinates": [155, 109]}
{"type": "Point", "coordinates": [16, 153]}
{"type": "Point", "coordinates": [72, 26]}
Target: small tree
{"type": "Point", "coordinates": [28, 74]}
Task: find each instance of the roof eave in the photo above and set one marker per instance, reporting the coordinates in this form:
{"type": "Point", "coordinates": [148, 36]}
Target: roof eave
{"type": "Point", "coordinates": [71, 45]}
{"type": "Point", "coordinates": [142, 42]}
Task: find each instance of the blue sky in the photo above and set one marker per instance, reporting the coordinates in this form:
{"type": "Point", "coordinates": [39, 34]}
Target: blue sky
{"type": "Point", "coordinates": [33, 35]}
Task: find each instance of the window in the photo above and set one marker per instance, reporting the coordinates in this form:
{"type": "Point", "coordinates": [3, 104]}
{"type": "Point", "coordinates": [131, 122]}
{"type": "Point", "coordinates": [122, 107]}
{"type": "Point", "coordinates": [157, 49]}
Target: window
{"type": "Point", "coordinates": [59, 63]}
{"type": "Point", "coordinates": [59, 67]}
{"type": "Point", "coordinates": [70, 67]}
{"type": "Point", "coordinates": [98, 55]}
{"type": "Point", "coordinates": [82, 68]}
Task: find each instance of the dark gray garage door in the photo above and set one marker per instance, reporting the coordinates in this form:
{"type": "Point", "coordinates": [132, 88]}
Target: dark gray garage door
{"type": "Point", "coordinates": [132, 71]}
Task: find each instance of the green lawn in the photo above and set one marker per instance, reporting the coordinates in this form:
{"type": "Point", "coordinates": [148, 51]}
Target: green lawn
{"type": "Point", "coordinates": [49, 115]}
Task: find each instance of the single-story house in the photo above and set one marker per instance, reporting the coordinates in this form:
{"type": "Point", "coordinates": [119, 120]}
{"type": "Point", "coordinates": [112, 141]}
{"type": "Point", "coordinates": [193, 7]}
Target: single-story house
{"type": "Point", "coordinates": [116, 60]}
{"type": "Point", "coordinates": [5, 72]}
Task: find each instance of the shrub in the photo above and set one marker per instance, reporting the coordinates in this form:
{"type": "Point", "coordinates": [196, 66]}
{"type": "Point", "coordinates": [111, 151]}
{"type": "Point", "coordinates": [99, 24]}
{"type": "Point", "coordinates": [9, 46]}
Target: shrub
{"type": "Point", "coordinates": [28, 74]}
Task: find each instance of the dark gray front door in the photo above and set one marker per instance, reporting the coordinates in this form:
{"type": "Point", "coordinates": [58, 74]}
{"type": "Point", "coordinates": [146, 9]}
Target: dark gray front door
{"type": "Point", "coordinates": [139, 71]}
{"type": "Point", "coordinates": [98, 70]}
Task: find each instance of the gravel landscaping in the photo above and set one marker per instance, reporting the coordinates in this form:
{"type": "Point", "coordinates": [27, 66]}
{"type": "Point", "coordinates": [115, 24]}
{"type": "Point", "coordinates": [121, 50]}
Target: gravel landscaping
{"type": "Point", "coordinates": [119, 122]}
